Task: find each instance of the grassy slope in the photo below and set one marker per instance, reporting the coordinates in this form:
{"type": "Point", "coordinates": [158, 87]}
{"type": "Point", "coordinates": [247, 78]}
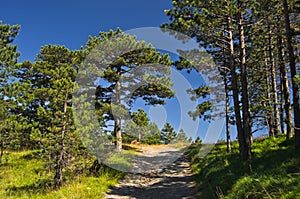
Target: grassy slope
{"type": "Point", "coordinates": [274, 172]}
{"type": "Point", "coordinates": [22, 176]}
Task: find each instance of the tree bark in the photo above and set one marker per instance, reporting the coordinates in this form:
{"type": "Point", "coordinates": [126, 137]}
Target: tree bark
{"type": "Point", "coordinates": [246, 145]}
{"type": "Point", "coordinates": [281, 110]}
{"type": "Point", "coordinates": [285, 89]}
{"type": "Point", "coordinates": [139, 137]}
{"type": "Point", "coordinates": [274, 86]}
{"type": "Point", "coordinates": [234, 85]}
{"type": "Point", "coordinates": [228, 142]}
{"type": "Point", "coordinates": [118, 135]}
{"type": "Point", "coordinates": [1, 150]}
{"type": "Point", "coordinates": [58, 178]}
{"type": "Point", "coordinates": [269, 118]}
{"type": "Point", "coordinates": [293, 75]}
{"type": "Point", "coordinates": [117, 128]}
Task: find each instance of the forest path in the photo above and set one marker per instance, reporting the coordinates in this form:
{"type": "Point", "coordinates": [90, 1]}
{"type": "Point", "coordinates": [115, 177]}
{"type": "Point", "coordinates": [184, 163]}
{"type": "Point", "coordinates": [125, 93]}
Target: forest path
{"type": "Point", "coordinates": [170, 182]}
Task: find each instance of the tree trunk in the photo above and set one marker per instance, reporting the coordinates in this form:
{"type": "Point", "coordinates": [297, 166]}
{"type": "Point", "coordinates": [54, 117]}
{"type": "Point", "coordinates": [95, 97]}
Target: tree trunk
{"type": "Point", "coordinates": [246, 145]}
{"type": "Point", "coordinates": [274, 86]}
{"type": "Point", "coordinates": [285, 89]}
{"type": "Point", "coordinates": [139, 136]}
{"type": "Point", "coordinates": [235, 91]}
{"type": "Point", "coordinates": [293, 75]}
{"type": "Point", "coordinates": [1, 150]}
{"type": "Point", "coordinates": [228, 142]}
{"type": "Point", "coordinates": [118, 134]}
{"type": "Point", "coordinates": [267, 104]}
{"type": "Point", "coordinates": [58, 178]}
{"type": "Point", "coordinates": [281, 109]}
{"type": "Point", "coordinates": [95, 168]}
{"type": "Point", "coordinates": [117, 129]}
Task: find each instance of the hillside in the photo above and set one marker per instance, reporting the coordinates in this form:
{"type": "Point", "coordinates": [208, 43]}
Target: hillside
{"type": "Point", "coordinates": [274, 171]}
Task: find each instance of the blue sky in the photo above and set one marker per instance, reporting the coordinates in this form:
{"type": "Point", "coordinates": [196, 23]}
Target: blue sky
{"type": "Point", "coordinates": [69, 23]}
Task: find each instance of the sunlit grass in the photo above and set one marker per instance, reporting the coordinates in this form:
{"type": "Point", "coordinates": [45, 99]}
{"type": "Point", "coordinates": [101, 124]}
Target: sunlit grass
{"type": "Point", "coordinates": [22, 175]}
{"type": "Point", "coordinates": [179, 145]}
{"type": "Point", "coordinates": [274, 171]}
{"type": "Point", "coordinates": [121, 161]}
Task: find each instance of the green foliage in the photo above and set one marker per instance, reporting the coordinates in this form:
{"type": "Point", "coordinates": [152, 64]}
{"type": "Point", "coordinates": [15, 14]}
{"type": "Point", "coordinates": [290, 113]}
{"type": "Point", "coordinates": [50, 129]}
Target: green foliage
{"type": "Point", "coordinates": [49, 83]}
{"type": "Point", "coordinates": [297, 79]}
{"type": "Point", "coordinates": [222, 28]}
{"type": "Point", "coordinates": [140, 118]}
{"type": "Point", "coordinates": [36, 100]}
{"type": "Point", "coordinates": [8, 60]}
{"type": "Point", "coordinates": [198, 140]}
{"type": "Point", "coordinates": [181, 136]}
{"type": "Point", "coordinates": [126, 70]}
{"type": "Point", "coordinates": [203, 109]}
{"type": "Point", "coordinates": [150, 133]}
{"type": "Point", "coordinates": [168, 134]}
{"type": "Point", "coordinates": [8, 52]}
{"type": "Point", "coordinates": [274, 171]}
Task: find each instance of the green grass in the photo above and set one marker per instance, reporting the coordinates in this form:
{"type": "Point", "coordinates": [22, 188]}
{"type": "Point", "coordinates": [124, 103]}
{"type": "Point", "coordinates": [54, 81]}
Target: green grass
{"type": "Point", "coordinates": [274, 171]}
{"type": "Point", "coordinates": [22, 175]}
{"type": "Point", "coordinates": [122, 161]}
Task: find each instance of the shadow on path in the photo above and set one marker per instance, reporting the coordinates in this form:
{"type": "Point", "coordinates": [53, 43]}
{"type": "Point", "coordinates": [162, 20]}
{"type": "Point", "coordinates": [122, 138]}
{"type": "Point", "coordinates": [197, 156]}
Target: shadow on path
{"type": "Point", "coordinates": [172, 182]}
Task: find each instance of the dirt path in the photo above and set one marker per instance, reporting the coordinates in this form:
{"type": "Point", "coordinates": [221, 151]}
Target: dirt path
{"type": "Point", "coordinates": [171, 182]}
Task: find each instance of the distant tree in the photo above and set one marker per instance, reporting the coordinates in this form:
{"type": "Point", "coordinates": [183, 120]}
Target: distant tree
{"type": "Point", "coordinates": [198, 140]}
{"type": "Point", "coordinates": [167, 133]}
{"type": "Point", "coordinates": [152, 134]}
{"type": "Point", "coordinates": [181, 136]}
{"type": "Point", "coordinates": [141, 120]}
{"type": "Point", "coordinates": [128, 133]}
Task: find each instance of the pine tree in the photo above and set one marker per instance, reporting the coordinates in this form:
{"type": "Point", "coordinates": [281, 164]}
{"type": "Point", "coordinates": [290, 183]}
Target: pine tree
{"type": "Point", "coordinates": [292, 63]}
{"type": "Point", "coordinates": [198, 140]}
{"type": "Point", "coordinates": [212, 24]}
{"type": "Point", "coordinates": [152, 134]}
{"type": "Point", "coordinates": [131, 69]}
{"type": "Point", "coordinates": [181, 136]}
{"type": "Point", "coordinates": [167, 133]}
{"type": "Point", "coordinates": [51, 80]}
{"type": "Point", "coordinates": [8, 60]}
{"type": "Point", "coordinates": [141, 120]}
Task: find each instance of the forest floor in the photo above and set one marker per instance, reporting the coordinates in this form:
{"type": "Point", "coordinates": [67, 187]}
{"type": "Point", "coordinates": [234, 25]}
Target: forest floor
{"type": "Point", "coordinates": [173, 180]}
